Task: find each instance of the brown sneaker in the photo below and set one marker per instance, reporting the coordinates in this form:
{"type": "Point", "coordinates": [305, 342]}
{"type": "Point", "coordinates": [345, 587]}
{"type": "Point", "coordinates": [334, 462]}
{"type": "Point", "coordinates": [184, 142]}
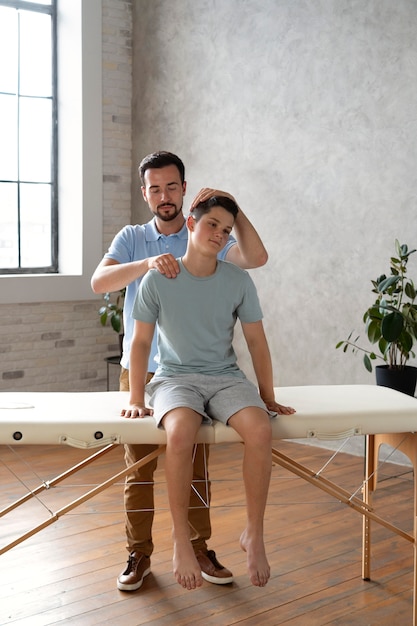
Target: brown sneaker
{"type": "Point", "coordinates": [212, 570]}
{"type": "Point", "coordinates": [138, 566]}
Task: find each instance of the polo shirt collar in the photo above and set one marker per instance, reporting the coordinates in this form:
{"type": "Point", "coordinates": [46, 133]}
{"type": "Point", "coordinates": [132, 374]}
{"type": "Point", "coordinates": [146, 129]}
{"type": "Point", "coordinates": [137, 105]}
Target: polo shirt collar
{"type": "Point", "coordinates": [153, 234]}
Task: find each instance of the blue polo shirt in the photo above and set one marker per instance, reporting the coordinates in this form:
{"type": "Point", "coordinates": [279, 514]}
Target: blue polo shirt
{"type": "Point", "coordinates": [138, 242]}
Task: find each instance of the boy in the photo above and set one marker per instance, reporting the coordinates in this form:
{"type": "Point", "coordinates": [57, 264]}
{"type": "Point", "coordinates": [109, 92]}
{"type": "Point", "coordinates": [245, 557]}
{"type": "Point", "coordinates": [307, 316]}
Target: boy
{"type": "Point", "coordinates": [198, 378]}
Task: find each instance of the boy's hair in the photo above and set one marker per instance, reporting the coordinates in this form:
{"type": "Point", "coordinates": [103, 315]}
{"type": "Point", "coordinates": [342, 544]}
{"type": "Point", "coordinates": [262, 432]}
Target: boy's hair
{"type": "Point", "coordinates": [156, 160]}
{"type": "Point", "coordinates": [205, 207]}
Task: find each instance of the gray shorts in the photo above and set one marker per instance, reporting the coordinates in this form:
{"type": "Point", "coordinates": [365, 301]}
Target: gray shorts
{"type": "Point", "coordinates": [217, 397]}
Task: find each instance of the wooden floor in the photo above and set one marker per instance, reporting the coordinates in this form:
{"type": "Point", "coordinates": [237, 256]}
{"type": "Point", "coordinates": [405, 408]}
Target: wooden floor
{"type": "Point", "coordinates": [66, 574]}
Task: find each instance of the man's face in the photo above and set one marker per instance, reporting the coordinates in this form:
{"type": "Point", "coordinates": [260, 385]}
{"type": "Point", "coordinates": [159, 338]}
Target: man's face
{"type": "Point", "coordinates": [164, 192]}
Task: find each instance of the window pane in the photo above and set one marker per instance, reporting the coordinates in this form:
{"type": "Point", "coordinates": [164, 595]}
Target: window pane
{"type": "Point", "coordinates": [35, 139]}
{"type": "Point", "coordinates": [8, 134]}
{"type": "Point", "coordinates": [47, 2]}
{"type": "Point", "coordinates": [8, 50]}
{"type": "Point", "coordinates": [35, 54]}
{"type": "Point", "coordinates": [35, 225]}
{"type": "Point", "coordinates": [8, 226]}
{"type": "Point", "coordinates": [28, 231]}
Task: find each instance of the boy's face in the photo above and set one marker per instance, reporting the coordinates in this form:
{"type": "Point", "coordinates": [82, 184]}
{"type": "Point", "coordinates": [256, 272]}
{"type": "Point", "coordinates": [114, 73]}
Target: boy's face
{"type": "Point", "coordinates": [164, 192]}
{"type": "Point", "coordinates": [212, 230]}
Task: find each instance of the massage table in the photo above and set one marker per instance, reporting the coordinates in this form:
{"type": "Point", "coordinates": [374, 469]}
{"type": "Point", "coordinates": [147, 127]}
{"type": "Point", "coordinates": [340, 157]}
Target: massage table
{"type": "Point", "coordinates": [91, 420]}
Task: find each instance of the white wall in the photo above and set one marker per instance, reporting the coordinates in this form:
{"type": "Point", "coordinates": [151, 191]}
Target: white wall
{"type": "Point", "coordinates": [306, 111]}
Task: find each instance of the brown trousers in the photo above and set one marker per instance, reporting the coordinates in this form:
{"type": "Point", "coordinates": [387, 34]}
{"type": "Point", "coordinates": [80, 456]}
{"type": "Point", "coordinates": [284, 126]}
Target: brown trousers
{"type": "Point", "coordinates": [139, 495]}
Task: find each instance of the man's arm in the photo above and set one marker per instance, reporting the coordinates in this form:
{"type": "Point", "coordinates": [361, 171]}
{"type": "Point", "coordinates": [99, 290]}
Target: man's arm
{"type": "Point", "coordinates": [249, 251]}
{"type": "Point", "coordinates": [261, 358]}
{"type": "Point", "coordinates": [110, 275]}
{"type": "Point", "coordinates": [139, 355]}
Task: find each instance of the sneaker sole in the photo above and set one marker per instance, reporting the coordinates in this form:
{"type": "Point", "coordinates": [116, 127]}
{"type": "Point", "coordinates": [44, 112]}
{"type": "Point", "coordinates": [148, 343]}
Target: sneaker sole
{"type": "Point", "coordinates": [215, 580]}
{"type": "Point", "coordinates": [135, 586]}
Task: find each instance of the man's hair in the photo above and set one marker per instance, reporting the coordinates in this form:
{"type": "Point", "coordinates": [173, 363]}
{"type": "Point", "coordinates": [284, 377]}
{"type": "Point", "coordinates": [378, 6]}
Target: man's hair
{"type": "Point", "coordinates": [205, 207]}
{"type": "Point", "coordinates": [156, 160]}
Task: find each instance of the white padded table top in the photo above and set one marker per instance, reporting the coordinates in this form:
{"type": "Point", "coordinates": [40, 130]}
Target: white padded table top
{"type": "Point", "coordinates": [91, 419]}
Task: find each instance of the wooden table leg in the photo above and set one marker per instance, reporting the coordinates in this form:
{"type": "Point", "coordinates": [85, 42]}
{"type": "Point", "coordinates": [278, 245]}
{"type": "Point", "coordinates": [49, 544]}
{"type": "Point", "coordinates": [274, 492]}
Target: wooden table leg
{"type": "Point", "coordinates": [407, 444]}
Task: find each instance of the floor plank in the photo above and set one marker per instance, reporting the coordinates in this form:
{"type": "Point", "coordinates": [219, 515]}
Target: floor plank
{"type": "Point", "coordinates": [66, 573]}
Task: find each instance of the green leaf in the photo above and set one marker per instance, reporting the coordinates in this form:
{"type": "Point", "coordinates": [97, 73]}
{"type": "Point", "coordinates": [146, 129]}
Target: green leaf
{"type": "Point", "coordinates": [387, 283]}
{"type": "Point", "coordinates": [367, 362]}
{"type": "Point", "coordinates": [392, 326]}
{"type": "Point", "coordinates": [375, 313]}
{"type": "Point", "coordinates": [410, 290]}
{"type": "Point", "coordinates": [373, 331]}
{"type": "Point", "coordinates": [406, 342]}
{"type": "Point", "coordinates": [383, 346]}
{"type": "Point", "coordinates": [340, 343]}
{"type": "Point", "coordinates": [116, 322]}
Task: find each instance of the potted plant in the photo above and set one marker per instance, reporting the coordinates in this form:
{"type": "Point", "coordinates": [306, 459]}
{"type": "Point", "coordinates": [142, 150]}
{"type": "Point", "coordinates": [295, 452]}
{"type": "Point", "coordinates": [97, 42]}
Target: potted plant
{"type": "Point", "coordinates": [391, 324]}
{"type": "Point", "coordinates": [113, 311]}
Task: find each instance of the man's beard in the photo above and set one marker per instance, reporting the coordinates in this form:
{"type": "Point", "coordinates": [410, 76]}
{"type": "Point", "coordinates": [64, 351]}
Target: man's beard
{"type": "Point", "coordinates": [167, 217]}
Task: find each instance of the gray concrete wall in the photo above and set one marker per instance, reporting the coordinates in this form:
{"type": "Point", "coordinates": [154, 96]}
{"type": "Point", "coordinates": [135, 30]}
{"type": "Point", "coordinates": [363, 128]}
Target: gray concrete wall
{"type": "Point", "coordinates": [306, 112]}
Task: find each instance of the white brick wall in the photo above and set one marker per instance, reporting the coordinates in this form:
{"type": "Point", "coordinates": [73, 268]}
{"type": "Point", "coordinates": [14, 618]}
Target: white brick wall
{"type": "Point", "coordinates": [61, 346]}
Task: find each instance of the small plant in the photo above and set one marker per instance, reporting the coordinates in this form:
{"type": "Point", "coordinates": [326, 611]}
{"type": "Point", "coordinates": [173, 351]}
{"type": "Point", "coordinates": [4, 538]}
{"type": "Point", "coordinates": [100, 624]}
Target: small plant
{"type": "Point", "coordinates": [113, 311]}
{"type": "Point", "coordinates": [391, 322]}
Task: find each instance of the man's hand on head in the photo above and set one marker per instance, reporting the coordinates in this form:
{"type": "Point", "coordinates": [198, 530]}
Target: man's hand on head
{"type": "Point", "coordinates": [207, 192]}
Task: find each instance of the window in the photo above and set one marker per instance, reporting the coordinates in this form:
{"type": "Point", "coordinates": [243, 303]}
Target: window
{"type": "Point", "coordinates": [28, 165]}
{"type": "Point", "coordinates": [80, 175]}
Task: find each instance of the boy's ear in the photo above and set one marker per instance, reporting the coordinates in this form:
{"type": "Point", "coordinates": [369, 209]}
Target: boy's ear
{"type": "Point", "coordinates": [190, 222]}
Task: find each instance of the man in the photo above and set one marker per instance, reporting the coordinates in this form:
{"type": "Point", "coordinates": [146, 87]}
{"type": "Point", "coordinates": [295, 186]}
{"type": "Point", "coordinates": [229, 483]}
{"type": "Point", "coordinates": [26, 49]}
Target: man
{"type": "Point", "coordinates": [198, 377]}
{"type": "Point", "coordinates": [134, 251]}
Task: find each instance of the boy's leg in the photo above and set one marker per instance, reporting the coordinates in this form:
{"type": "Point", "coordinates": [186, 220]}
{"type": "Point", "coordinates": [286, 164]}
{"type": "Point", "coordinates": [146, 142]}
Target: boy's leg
{"type": "Point", "coordinates": [139, 515]}
{"type": "Point", "coordinates": [253, 425]}
{"type": "Point", "coordinates": [181, 427]}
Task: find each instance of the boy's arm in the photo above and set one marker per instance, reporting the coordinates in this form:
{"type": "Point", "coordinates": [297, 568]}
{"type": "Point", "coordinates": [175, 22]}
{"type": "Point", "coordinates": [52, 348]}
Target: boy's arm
{"type": "Point", "coordinates": [261, 359]}
{"type": "Point", "coordinates": [139, 355]}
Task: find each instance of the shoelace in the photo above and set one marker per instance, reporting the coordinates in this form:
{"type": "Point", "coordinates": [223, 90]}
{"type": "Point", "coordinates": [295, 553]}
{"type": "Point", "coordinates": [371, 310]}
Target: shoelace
{"type": "Point", "coordinates": [212, 556]}
{"type": "Point", "coordinates": [131, 562]}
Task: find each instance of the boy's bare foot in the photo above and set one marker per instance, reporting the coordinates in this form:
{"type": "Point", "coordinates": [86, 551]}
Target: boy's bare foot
{"type": "Point", "coordinates": [258, 566]}
{"type": "Point", "coordinates": [186, 568]}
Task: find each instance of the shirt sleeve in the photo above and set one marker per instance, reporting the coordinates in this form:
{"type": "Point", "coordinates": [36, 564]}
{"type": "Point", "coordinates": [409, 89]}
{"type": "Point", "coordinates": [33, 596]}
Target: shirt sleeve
{"type": "Point", "coordinates": [122, 247]}
{"type": "Point", "coordinates": [249, 309]}
{"type": "Point", "coordinates": [146, 305]}
{"type": "Point", "coordinates": [230, 243]}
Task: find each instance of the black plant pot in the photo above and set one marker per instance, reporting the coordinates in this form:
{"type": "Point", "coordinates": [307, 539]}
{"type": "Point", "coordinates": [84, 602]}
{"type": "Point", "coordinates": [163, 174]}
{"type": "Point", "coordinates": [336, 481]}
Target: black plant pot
{"type": "Point", "coordinates": [402, 379]}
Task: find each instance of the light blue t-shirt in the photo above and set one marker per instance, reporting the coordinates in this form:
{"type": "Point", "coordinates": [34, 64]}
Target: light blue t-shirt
{"type": "Point", "coordinates": [138, 242]}
{"type": "Point", "coordinates": [196, 318]}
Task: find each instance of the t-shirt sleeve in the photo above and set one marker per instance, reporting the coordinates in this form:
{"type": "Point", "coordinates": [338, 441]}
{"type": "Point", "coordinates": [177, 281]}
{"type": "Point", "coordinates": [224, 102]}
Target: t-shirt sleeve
{"type": "Point", "coordinates": [249, 309]}
{"type": "Point", "coordinates": [146, 305]}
